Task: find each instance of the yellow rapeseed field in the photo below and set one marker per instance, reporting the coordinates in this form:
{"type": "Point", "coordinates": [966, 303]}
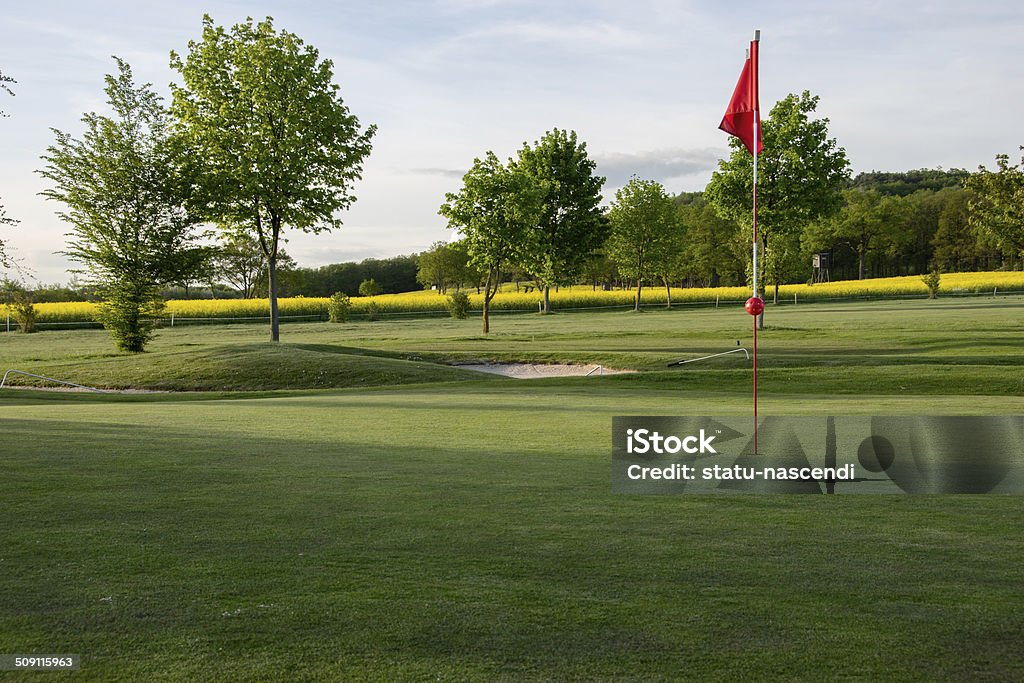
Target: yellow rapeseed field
{"type": "Point", "coordinates": [578, 297]}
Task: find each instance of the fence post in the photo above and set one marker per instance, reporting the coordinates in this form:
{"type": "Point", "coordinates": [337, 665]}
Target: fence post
{"type": "Point", "coordinates": [794, 298]}
{"type": "Point", "coordinates": [172, 318]}
{"type": "Point", "coordinates": [716, 301]}
{"type": "Point", "coordinates": [8, 322]}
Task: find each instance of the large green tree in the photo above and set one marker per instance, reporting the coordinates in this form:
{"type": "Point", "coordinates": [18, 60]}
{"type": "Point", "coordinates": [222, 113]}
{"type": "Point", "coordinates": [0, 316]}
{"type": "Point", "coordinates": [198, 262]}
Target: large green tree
{"type": "Point", "coordinates": [801, 174]}
{"type": "Point", "coordinates": [125, 188]}
{"type": "Point", "coordinates": [275, 146]}
{"type": "Point", "coordinates": [646, 230]}
{"type": "Point", "coordinates": [497, 211]}
{"type": "Point", "coordinates": [571, 226]}
{"type": "Point", "coordinates": [997, 202]}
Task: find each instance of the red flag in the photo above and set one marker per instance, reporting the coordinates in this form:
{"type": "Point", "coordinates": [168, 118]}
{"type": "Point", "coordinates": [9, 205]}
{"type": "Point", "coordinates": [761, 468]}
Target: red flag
{"type": "Point", "coordinates": [743, 108]}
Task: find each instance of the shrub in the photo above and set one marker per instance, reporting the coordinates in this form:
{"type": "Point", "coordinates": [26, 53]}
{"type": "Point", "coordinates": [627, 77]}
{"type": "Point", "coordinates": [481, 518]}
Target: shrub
{"type": "Point", "coordinates": [931, 281]}
{"type": "Point", "coordinates": [338, 307]}
{"type": "Point", "coordinates": [372, 311]}
{"type": "Point", "coordinates": [458, 304]}
{"type": "Point", "coordinates": [130, 314]}
{"type": "Point", "coordinates": [369, 288]}
{"type": "Point", "coordinates": [20, 305]}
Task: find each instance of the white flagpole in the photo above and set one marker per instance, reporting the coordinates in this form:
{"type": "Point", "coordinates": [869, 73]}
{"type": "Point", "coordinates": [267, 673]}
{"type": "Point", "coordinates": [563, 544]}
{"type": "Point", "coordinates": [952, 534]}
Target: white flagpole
{"type": "Point", "coordinates": [757, 116]}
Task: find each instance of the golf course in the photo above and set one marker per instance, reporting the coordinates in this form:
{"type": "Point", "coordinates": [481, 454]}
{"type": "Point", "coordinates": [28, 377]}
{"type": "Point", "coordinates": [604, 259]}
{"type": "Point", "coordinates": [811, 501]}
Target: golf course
{"type": "Point", "coordinates": [351, 504]}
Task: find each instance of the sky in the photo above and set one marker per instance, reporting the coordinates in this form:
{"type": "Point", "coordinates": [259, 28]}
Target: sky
{"type": "Point", "coordinates": [644, 83]}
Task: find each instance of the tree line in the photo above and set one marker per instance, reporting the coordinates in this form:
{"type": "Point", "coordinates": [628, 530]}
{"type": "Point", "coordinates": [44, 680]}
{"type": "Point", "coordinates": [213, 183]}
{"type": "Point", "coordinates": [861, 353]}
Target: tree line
{"type": "Point", "coordinates": [877, 224]}
{"type": "Point", "coordinates": [257, 141]}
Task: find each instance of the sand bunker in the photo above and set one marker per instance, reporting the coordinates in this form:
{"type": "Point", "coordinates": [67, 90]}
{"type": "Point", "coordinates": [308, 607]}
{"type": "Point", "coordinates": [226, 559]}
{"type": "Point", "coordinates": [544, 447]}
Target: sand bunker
{"type": "Point", "coordinates": [537, 370]}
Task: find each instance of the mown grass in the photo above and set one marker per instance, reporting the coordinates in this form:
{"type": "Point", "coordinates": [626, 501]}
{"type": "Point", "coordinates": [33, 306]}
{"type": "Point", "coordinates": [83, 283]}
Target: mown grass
{"type": "Point", "coordinates": [911, 347]}
{"type": "Point", "coordinates": [466, 530]}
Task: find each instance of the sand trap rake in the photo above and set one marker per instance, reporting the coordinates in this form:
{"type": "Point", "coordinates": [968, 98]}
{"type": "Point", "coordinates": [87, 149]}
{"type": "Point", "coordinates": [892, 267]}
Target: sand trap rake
{"type": "Point", "coordinates": [714, 355]}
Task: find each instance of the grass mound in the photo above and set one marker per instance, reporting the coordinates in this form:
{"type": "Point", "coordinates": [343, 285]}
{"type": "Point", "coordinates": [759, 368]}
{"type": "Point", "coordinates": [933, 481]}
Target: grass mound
{"type": "Point", "coordinates": [247, 367]}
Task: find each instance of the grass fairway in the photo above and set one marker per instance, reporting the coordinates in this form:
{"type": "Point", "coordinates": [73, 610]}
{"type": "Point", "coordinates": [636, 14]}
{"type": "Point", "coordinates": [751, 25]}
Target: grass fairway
{"type": "Point", "coordinates": [464, 529]}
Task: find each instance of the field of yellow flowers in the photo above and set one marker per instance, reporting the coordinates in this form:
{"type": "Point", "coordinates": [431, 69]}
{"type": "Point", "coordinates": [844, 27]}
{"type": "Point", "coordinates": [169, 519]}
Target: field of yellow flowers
{"type": "Point", "coordinates": [578, 297]}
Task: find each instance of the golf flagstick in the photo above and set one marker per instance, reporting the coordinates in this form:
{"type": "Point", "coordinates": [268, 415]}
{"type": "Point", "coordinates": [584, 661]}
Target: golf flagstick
{"type": "Point", "coordinates": [743, 120]}
{"type": "Point", "coordinates": [755, 126]}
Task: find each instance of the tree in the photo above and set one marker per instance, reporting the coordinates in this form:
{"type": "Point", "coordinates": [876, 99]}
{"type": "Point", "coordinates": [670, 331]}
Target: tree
{"type": "Point", "coordinates": [911, 222]}
{"type": "Point", "coordinates": [124, 187]}
{"type": "Point", "coordinates": [5, 260]}
{"type": "Point", "coordinates": [497, 211]}
{"type": "Point", "coordinates": [801, 173]}
{"type": "Point", "coordinates": [438, 267]}
{"type": "Point", "coordinates": [902, 183]}
{"type": "Point", "coordinates": [955, 242]}
{"type": "Point", "coordinates": [713, 249]}
{"type": "Point", "coordinates": [239, 261]}
{"type": "Point", "coordinates": [446, 265]}
{"type": "Point", "coordinates": [858, 225]}
{"type": "Point", "coordinates": [20, 304]}
{"type": "Point", "coordinates": [599, 269]}
{"type": "Point", "coordinates": [369, 288]}
{"type": "Point", "coordinates": [4, 80]}
{"type": "Point", "coordinates": [4, 218]}
{"type": "Point", "coordinates": [571, 225]}
{"type": "Point", "coordinates": [202, 271]}
{"type": "Point", "coordinates": [645, 231]}
{"type": "Point", "coordinates": [997, 203]}
{"type": "Point", "coordinates": [275, 145]}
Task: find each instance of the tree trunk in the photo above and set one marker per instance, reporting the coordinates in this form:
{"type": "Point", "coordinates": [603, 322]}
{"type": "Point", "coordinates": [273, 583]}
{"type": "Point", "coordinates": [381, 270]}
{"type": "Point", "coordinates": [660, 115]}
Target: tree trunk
{"type": "Point", "coordinates": [275, 322]}
{"type": "Point", "coordinates": [668, 294]}
{"type": "Point", "coordinates": [860, 264]}
{"type": "Point", "coordinates": [775, 300]}
{"type": "Point", "coordinates": [487, 301]}
{"type": "Point", "coordinates": [639, 288]}
{"type": "Point", "coordinates": [547, 299]}
{"type": "Point", "coordinates": [275, 318]}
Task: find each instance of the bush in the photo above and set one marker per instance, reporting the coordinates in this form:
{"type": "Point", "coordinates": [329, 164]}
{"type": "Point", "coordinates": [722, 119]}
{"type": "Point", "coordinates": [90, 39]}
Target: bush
{"type": "Point", "coordinates": [369, 288]}
{"type": "Point", "coordinates": [931, 281]}
{"type": "Point", "coordinates": [338, 307]}
{"type": "Point", "coordinates": [24, 312]}
{"type": "Point", "coordinates": [458, 304]}
{"type": "Point", "coordinates": [20, 305]}
{"type": "Point", "coordinates": [372, 311]}
{"type": "Point", "coordinates": [130, 314]}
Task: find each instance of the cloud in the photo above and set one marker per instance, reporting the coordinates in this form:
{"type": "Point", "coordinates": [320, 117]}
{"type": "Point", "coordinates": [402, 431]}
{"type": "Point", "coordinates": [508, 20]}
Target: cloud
{"type": "Point", "coordinates": [597, 35]}
{"type": "Point", "coordinates": [442, 172]}
{"type": "Point", "coordinates": [657, 165]}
